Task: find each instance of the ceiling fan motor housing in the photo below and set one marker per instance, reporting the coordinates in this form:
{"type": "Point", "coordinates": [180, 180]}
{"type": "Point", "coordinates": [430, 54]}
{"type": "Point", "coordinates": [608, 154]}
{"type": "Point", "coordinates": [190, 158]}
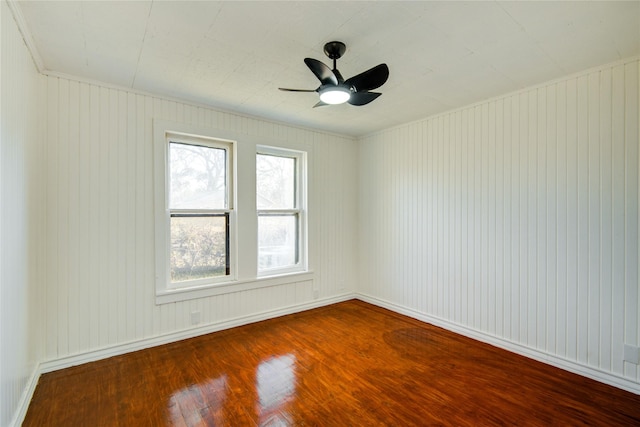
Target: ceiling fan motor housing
{"type": "Point", "coordinates": [334, 50]}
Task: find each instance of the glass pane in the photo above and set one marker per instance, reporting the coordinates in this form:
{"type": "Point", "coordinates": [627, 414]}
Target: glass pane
{"type": "Point", "coordinates": [198, 247]}
{"type": "Point", "coordinates": [197, 177]}
{"type": "Point", "coordinates": [275, 182]}
{"type": "Point", "coordinates": [277, 241]}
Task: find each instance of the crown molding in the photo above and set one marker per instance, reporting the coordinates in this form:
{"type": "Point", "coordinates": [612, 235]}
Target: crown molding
{"type": "Point", "coordinates": [16, 11]}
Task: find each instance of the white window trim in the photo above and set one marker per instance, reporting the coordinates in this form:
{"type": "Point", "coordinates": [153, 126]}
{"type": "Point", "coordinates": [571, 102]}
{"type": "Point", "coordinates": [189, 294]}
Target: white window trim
{"type": "Point", "coordinates": [301, 209]}
{"type": "Point", "coordinates": [246, 277]}
{"type": "Point", "coordinates": [164, 133]}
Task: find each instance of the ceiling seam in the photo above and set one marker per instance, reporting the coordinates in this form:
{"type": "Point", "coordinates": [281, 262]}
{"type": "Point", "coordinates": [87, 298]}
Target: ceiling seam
{"type": "Point", "coordinates": [144, 37]}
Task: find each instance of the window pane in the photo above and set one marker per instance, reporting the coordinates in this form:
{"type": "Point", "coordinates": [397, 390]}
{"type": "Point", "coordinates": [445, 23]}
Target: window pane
{"type": "Point", "coordinates": [277, 241]}
{"type": "Point", "coordinates": [197, 177]}
{"type": "Point", "coordinates": [275, 182]}
{"type": "Point", "coordinates": [198, 247]}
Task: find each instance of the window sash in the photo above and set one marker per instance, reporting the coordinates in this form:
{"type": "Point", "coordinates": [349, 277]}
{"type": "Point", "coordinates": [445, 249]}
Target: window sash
{"type": "Point", "coordinates": [296, 178]}
{"type": "Point", "coordinates": [206, 142]}
{"type": "Point", "coordinates": [178, 144]}
{"type": "Point", "coordinates": [299, 199]}
{"type": "Point", "coordinates": [226, 211]}
{"type": "Point", "coordinates": [297, 241]}
{"type": "Point", "coordinates": [225, 215]}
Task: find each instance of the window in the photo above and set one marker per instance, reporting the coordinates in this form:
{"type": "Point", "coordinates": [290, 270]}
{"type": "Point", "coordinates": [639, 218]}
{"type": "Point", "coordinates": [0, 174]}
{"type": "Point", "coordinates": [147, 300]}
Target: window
{"type": "Point", "coordinates": [280, 201]}
{"type": "Point", "coordinates": [199, 207]}
{"type": "Point", "coordinates": [230, 214]}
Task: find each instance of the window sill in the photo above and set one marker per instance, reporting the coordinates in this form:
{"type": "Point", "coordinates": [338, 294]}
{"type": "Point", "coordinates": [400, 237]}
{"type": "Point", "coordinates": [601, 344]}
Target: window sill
{"type": "Point", "coordinates": [184, 294]}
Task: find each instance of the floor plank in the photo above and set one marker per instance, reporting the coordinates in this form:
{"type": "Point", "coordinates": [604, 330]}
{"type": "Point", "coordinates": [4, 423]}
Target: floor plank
{"type": "Point", "coordinates": [349, 364]}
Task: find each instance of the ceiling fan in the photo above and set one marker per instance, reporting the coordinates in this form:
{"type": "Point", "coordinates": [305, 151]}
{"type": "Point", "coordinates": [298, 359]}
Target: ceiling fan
{"type": "Point", "coordinates": [334, 89]}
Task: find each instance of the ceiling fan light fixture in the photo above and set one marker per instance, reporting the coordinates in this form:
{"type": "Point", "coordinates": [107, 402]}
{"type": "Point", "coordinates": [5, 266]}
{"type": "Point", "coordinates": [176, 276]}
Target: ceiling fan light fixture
{"type": "Point", "coordinates": [335, 95]}
{"type": "Point", "coordinates": [334, 89]}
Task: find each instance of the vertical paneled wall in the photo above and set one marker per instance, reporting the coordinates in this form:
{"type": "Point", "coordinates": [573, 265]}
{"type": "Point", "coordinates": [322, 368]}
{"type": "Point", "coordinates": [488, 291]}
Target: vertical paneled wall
{"type": "Point", "coordinates": [99, 239]}
{"type": "Point", "coordinates": [20, 195]}
{"type": "Point", "coordinates": [517, 218]}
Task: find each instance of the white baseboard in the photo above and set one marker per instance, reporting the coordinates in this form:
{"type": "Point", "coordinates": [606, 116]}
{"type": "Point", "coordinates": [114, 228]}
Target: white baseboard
{"type": "Point", "coordinates": [550, 359]}
{"type": "Point", "coordinates": [25, 399]}
{"type": "Point", "coordinates": [106, 352]}
{"type": "Point", "coordinates": [116, 350]}
{"type": "Point", "coordinates": [119, 349]}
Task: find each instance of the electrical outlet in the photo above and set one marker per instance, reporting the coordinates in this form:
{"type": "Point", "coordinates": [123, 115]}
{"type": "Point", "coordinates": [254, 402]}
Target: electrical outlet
{"type": "Point", "coordinates": [195, 317]}
{"type": "Point", "coordinates": [631, 354]}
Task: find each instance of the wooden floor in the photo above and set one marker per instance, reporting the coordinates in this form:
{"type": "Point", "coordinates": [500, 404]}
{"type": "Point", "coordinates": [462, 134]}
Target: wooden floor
{"type": "Point", "coordinates": [349, 364]}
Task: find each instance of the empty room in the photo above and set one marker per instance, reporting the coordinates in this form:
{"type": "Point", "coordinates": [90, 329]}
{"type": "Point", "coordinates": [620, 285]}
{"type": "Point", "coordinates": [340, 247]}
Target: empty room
{"type": "Point", "coordinates": [319, 213]}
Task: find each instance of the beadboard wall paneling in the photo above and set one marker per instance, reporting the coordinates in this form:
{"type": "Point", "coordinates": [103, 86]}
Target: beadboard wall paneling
{"type": "Point", "coordinates": [20, 219]}
{"type": "Point", "coordinates": [517, 217]}
{"type": "Point", "coordinates": [99, 234]}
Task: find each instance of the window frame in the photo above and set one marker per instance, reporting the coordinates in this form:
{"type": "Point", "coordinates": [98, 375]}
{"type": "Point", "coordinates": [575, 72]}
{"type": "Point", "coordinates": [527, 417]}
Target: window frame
{"type": "Point", "coordinates": [243, 221]}
{"type": "Point", "coordinates": [299, 210]}
{"type": "Point", "coordinates": [213, 143]}
{"type": "Point", "coordinates": [164, 285]}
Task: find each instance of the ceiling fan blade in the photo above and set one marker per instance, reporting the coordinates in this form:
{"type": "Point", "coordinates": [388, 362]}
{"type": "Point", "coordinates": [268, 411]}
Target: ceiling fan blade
{"type": "Point", "coordinates": [370, 79]}
{"type": "Point", "coordinates": [297, 90]}
{"type": "Point", "coordinates": [362, 98]}
{"type": "Point", "coordinates": [322, 71]}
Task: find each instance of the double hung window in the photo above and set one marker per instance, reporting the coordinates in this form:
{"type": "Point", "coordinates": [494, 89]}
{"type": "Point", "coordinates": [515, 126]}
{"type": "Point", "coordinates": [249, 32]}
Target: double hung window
{"type": "Point", "coordinates": [280, 208]}
{"type": "Point", "coordinates": [200, 210]}
{"type": "Point", "coordinates": [230, 214]}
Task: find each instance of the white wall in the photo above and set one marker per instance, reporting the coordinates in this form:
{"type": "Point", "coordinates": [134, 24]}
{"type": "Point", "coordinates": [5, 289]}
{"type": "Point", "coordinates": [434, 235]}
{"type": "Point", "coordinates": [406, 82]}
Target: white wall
{"type": "Point", "coordinates": [99, 233]}
{"type": "Point", "coordinates": [515, 220]}
{"type": "Point", "coordinates": [20, 207]}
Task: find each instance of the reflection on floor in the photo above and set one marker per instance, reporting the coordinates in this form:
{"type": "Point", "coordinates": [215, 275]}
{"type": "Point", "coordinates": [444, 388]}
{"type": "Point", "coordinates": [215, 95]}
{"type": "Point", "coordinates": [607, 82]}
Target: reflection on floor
{"type": "Point", "coordinates": [349, 364]}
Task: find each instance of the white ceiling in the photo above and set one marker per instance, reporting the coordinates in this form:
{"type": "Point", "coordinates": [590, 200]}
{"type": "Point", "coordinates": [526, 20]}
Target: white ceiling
{"type": "Point", "coordinates": [234, 55]}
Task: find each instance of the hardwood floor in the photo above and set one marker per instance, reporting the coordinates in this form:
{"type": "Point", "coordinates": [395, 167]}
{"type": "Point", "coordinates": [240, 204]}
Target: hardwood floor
{"type": "Point", "coordinates": [349, 364]}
